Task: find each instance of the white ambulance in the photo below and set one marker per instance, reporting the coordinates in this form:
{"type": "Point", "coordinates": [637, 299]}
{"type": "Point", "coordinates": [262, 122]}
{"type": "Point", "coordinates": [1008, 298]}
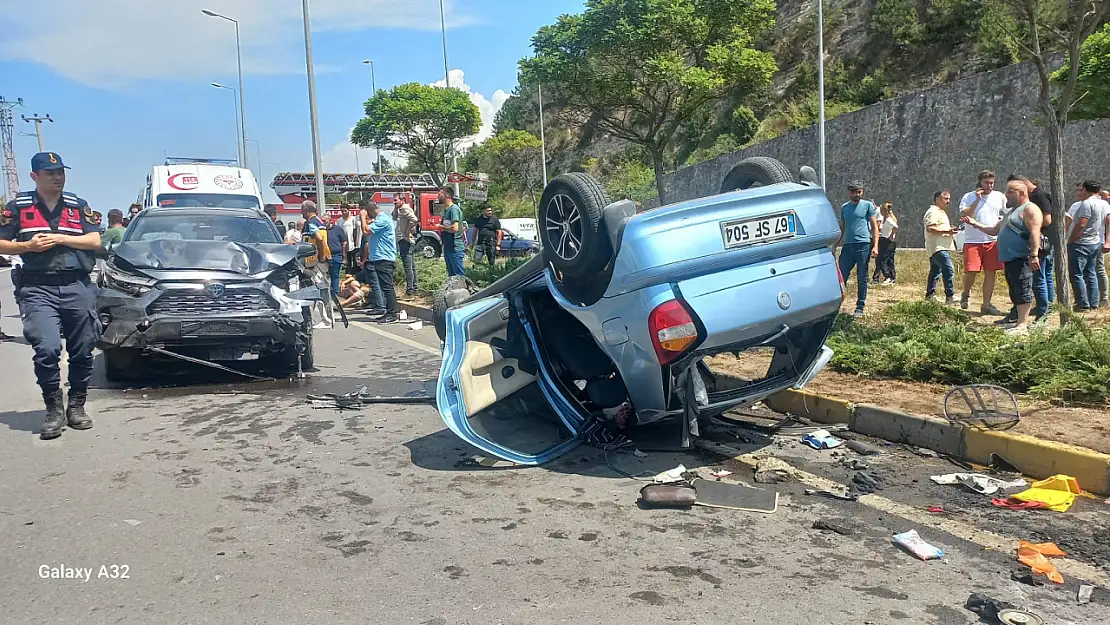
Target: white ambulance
{"type": "Point", "coordinates": [191, 183]}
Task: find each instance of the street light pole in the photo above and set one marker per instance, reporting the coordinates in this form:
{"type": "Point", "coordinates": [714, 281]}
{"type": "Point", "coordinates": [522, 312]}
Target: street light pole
{"type": "Point", "coordinates": [821, 89]}
{"type": "Point", "coordinates": [447, 79]}
{"type": "Point", "coordinates": [239, 60]}
{"type": "Point", "coordinates": [543, 139]}
{"type": "Point", "coordinates": [239, 147]}
{"type": "Point", "coordinates": [374, 89]}
{"type": "Point", "coordinates": [321, 197]}
{"type": "Point", "coordinates": [258, 156]}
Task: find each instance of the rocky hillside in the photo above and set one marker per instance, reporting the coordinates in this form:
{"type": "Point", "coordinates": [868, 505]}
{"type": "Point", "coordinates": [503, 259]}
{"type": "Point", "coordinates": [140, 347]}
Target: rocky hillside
{"type": "Point", "coordinates": [875, 50]}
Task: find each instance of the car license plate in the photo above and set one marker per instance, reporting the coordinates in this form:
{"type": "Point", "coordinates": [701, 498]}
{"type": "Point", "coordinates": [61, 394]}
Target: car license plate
{"type": "Point", "coordinates": [213, 328]}
{"type": "Point", "coordinates": [231, 354]}
{"type": "Point", "coordinates": [744, 232]}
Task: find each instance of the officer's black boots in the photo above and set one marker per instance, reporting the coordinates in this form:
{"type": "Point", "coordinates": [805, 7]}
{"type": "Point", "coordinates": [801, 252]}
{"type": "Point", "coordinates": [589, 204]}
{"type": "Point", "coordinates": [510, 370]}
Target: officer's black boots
{"type": "Point", "coordinates": [55, 416]}
{"type": "Point", "coordinates": [76, 416]}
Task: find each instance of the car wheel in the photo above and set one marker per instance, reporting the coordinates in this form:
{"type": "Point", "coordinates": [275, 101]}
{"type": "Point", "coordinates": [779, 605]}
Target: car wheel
{"type": "Point", "coordinates": [454, 291]}
{"type": "Point", "coordinates": [570, 225]}
{"type": "Point", "coordinates": [308, 358]}
{"type": "Point", "coordinates": [757, 171]}
{"type": "Point", "coordinates": [120, 364]}
{"type": "Point", "coordinates": [428, 248]}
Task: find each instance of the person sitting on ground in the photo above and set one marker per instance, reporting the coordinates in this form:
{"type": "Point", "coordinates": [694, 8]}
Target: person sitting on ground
{"type": "Point", "coordinates": [352, 293]}
{"type": "Point", "coordinates": [1019, 246]}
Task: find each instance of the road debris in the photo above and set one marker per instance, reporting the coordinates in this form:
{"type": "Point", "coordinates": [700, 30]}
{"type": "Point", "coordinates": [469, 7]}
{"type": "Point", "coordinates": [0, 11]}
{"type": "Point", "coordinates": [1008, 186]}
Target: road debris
{"type": "Point", "coordinates": [866, 482]}
{"type": "Point", "coordinates": [1036, 555]}
{"type": "Point", "coordinates": [1027, 578]}
{"type": "Point", "coordinates": [1057, 493]}
{"type": "Point", "coordinates": [982, 484]}
{"type": "Point", "coordinates": [1019, 617]}
{"type": "Point", "coordinates": [846, 496]}
{"type": "Point", "coordinates": [912, 542]}
{"type": "Point", "coordinates": [857, 465]}
{"type": "Point", "coordinates": [1016, 504]}
{"type": "Point", "coordinates": [1084, 594]}
{"type": "Point", "coordinates": [864, 449]}
{"type": "Point", "coordinates": [668, 496]}
{"type": "Point", "coordinates": [937, 510]}
{"type": "Point", "coordinates": [822, 439]}
{"type": "Point", "coordinates": [361, 398]}
{"type": "Point", "coordinates": [721, 473]}
{"type": "Point", "coordinates": [987, 607]}
{"type": "Point", "coordinates": [132, 522]}
{"type": "Point", "coordinates": [735, 497]}
{"type": "Point", "coordinates": [773, 471]}
{"type": "Point", "coordinates": [826, 526]}
{"type": "Point", "coordinates": [921, 451]}
{"type": "Point", "coordinates": [670, 476]}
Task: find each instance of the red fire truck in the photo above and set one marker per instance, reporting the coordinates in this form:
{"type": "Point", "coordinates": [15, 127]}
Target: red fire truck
{"type": "Point", "coordinates": [419, 190]}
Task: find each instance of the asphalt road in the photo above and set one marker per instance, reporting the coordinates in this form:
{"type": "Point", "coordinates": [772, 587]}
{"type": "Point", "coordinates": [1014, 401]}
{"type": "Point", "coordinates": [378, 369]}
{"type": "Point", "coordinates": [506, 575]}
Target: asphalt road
{"type": "Point", "coordinates": [234, 502]}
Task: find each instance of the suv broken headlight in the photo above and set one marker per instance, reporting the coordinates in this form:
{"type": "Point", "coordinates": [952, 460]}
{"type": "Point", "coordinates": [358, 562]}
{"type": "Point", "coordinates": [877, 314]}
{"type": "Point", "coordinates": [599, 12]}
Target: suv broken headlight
{"type": "Point", "coordinates": [116, 278]}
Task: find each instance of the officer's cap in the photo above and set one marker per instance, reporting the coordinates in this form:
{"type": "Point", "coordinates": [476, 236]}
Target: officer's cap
{"type": "Point", "coordinates": [46, 160]}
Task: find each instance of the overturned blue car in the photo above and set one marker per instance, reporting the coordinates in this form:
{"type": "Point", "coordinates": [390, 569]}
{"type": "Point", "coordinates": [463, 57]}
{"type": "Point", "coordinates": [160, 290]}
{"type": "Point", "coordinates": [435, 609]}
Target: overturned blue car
{"type": "Point", "coordinates": [610, 326]}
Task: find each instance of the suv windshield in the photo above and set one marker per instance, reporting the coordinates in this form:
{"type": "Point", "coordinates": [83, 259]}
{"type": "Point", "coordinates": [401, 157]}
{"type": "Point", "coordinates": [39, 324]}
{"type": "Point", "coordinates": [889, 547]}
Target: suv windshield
{"type": "Point", "coordinates": [204, 227]}
{"type": "Point", "coordinates": [207, 200]}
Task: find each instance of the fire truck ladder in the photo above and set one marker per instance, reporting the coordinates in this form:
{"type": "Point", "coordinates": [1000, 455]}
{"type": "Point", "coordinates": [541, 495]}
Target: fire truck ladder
{"type": "Point", "coordinates": [305, 183]}
{"type": "Point", "coordinates": [7, 148]}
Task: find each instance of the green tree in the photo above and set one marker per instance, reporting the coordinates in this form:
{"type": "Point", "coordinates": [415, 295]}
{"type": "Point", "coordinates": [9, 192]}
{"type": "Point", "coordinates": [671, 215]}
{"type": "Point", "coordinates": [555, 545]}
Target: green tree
{"type": "Point", "coordinates": [513, 159]}
{"type": "Point", "coordinates": [424, 123]}
{"type": "Point", "coordinates": [1041, 25]}
{"type": "Point", "coordinates": [641, 68]}
{"type": "Point", "coordinates": [1092, 87]}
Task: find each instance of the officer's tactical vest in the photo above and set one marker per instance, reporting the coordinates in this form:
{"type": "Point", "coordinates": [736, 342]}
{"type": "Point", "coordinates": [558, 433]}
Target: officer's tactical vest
{"type": "Point", "coordinates": [33, 221]}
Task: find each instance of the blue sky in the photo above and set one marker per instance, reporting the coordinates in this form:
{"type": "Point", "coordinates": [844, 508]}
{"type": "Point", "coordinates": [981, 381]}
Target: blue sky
{"type": "Point", "coordinates": [127, 81]}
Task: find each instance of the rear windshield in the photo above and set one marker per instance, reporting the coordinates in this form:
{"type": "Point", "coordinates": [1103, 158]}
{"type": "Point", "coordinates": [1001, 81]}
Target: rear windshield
{"type": "Point", "coordinates": [148, 227]}
{"type": "Point", "coordinates": [207, 200]}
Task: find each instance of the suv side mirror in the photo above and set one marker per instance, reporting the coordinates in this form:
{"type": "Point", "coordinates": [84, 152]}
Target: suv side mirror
{"type": "Point", "coordinates": [306, 250]}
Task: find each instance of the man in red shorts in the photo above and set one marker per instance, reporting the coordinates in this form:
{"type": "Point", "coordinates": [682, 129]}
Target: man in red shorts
{"type": "Point", "coordinates": [985, 206]}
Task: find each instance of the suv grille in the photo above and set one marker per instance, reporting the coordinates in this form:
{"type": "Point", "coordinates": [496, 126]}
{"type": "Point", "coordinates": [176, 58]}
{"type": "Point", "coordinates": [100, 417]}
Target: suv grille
{"type": "Point", "coordinates": [188, 303]}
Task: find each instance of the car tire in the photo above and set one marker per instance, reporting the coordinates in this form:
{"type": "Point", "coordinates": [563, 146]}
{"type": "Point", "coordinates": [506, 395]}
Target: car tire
{"type": "Point", "coordinates": [756, 171]}
{"type": "Point", "coordinates": [454, 291]}
{"type": "Point", "coordinates": [571, 208]}
{"type": "Point", "coordinates": [308, 358]}
{"type": "Point", "coordinates": [427, 248]}
{"type": "Point", "coordinates": [120, 364]}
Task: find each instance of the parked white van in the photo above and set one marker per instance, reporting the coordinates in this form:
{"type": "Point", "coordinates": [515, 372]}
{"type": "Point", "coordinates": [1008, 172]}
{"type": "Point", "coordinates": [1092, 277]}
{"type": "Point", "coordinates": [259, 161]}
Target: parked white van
{"type": "Point", "coordinates": [192, 183]}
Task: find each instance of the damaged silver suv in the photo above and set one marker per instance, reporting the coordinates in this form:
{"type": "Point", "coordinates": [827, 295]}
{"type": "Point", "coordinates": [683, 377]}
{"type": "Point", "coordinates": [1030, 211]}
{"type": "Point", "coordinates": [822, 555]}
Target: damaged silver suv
{"type": "Point", "coordinates": [205, 284]}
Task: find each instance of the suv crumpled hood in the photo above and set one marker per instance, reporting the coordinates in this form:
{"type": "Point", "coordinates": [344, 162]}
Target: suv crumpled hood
{"type": "Point", "coordinates": [243, 258]}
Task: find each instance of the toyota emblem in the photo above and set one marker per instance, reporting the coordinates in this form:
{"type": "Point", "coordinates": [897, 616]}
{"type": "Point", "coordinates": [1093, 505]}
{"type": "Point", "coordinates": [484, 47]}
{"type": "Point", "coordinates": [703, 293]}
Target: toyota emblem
{"type": "Point", "coordinates": [784, 300]}
{"type": "Point", "coordinates": [216, 291]}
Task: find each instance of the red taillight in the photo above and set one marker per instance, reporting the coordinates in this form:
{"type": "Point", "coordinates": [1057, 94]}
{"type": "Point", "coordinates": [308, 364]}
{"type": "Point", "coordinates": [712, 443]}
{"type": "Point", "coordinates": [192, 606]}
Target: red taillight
{"type": "Point", "coordinates": [672, 331]}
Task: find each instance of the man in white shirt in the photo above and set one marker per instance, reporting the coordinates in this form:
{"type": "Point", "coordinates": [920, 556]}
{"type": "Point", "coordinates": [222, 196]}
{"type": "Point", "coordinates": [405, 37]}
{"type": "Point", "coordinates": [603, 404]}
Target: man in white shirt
{"type": "Point", "coordinates": [1100, 261]}
{"type": "Point", "coordinates": [352, 226]}
{"type": "Point", "coordinates": [939, 244]}
{"type": "Point", "coordinates": [293, 236]}
{"type": "Point", "coordinates": [986, 206]}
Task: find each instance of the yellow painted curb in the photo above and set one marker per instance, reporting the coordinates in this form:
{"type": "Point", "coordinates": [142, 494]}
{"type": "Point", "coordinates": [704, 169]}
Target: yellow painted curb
{"type": "Point", "coordinates": [819, 408]}
{"type": "Point", "coordinates": [1040, 458]}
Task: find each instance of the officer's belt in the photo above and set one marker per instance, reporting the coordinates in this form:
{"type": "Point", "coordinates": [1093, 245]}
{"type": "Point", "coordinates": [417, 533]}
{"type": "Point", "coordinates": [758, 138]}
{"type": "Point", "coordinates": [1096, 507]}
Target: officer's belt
{"type": "Point", "coordinates": [52, 279]}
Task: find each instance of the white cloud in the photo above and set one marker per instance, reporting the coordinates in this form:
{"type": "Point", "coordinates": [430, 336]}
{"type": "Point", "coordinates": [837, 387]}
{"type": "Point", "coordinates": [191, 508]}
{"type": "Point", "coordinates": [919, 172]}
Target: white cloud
{"type": "Point", "coordinates": [341, 157]}
{"type": "Point", "coordinates": [113, 43]}
{"type": "Point", "coordinates": [487, 106]}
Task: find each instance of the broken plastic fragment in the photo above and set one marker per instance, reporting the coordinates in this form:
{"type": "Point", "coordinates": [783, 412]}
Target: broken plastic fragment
{"type": "Point", "coordinates": [670, 476]}
{"type": "Point", "coordinates": [822, 439]}
{"type": "Point", "coordinates": [721, 473]}
{"type": "Point", "coordinates": [982, 484]}
{"type": "Point", "coordinates": [911, 541]}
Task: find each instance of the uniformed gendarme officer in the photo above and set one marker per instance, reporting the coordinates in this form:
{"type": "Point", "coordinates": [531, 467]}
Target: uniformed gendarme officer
{"type": "Point", "coordinates": [56, 235]}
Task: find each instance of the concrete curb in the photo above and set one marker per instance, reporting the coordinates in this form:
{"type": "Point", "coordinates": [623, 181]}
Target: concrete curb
{"type": "Point", "coordinates": [1036, 457]}
{"type": "Point", "coordinates": [416, 311]}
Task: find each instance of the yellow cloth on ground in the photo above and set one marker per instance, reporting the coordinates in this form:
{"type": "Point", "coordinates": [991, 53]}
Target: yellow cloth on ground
{"type": "Point", "coordinates": [1057, 492]}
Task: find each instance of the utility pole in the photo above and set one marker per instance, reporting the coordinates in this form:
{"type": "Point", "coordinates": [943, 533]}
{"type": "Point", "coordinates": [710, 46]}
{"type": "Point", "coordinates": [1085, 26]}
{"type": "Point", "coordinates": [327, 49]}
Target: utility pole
{"type": "Point", "coordinates": [38, 126]}
{"type": "Point", "coordinates": [242, 105]}
{"type": "Point", "coordinates": [821, 88]}
{"type": "Point", "coordinates": [321, 196]}
{"type": "Point", "coordinates": [447, 79]}
{"type": "Point", "coordinates": [7, 147]}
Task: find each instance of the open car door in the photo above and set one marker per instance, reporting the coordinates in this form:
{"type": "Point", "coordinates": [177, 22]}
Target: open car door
{"type": "Point", "coordinates": [495, 393]}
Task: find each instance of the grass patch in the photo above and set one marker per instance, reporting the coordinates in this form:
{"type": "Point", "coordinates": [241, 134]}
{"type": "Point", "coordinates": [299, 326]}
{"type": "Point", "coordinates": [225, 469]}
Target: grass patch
{"type": "Point", "coordinates": [432, 272]}
{"type": "Point", "coordinates": [928, 342]}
